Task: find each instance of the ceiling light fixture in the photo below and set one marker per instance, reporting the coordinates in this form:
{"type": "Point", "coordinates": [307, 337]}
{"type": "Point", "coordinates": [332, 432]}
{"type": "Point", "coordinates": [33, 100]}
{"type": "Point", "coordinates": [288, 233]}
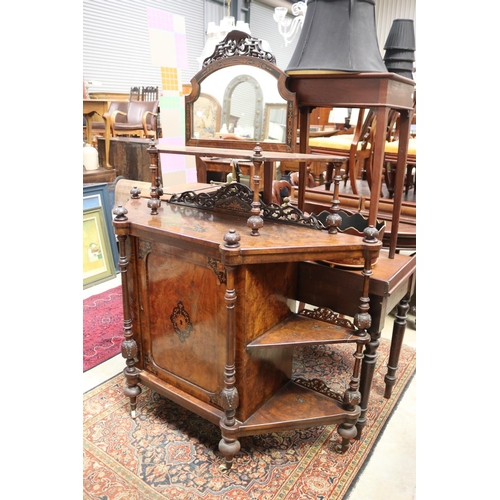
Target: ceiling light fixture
{"type": "Point", "coordinates": [287, 27]}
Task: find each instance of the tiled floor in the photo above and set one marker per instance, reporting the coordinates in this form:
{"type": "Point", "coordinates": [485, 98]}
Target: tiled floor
{"type": "Point", "coordinates": [390, 472]}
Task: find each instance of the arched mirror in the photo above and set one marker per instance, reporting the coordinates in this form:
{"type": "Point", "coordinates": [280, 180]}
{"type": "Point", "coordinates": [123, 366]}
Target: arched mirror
{"type": "Point", "coordinates": [240, 98]}
{"type": "Point", "coordinates": [242, 110]}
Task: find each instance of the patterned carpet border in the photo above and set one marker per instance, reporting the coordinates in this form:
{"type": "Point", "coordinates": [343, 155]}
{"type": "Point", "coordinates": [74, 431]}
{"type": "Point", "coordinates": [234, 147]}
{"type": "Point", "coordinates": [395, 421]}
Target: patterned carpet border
{"type": "Point", "coordinates": [102, 327]}
{"type": "Point", "coordinates": [168, 452]}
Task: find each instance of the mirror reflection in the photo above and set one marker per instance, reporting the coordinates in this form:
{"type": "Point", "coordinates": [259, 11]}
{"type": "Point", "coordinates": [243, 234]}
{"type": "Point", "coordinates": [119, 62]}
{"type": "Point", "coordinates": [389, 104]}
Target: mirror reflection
{"type": "Point", "coordinates": [240, 102]}
{"type": "Point", "coordinates": [275, 122]}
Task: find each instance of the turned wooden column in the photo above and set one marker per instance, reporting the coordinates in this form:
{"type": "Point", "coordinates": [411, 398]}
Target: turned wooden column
{"type": "Point", "coordinates": [363, 320]}
{"type": "Point", "coordinates": [156, 190]}
{"type": "Point", "coordinates": [129, 345]}
{"type": "Point", "coordinates": [229, 444]}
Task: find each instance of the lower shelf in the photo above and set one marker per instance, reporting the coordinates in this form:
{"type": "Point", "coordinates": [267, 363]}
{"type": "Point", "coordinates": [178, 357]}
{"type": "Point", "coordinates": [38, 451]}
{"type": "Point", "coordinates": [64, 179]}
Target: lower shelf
{"type": "Point", "coordinates": [296, 407]}
{"type": "Point", "coordinates": [292, 407]}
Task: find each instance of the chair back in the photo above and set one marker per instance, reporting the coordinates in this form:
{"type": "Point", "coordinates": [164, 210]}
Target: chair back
{"type": "Point", "coordinates": [136, 110]}
{"type": "Point", "coordinates": [118, 106]}
{"type": "Point", "coordinates": [149, 93]}
{"type": "Point", "coordinates": [135, 94]}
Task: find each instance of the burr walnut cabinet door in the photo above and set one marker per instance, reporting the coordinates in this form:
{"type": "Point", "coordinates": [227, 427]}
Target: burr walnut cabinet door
{"type": "Point", "coordinates": [183, 319]}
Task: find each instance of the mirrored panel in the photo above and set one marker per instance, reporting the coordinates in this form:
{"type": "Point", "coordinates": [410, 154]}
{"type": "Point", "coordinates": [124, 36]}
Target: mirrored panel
{"type": "Point", "coordinates": [234, 105]}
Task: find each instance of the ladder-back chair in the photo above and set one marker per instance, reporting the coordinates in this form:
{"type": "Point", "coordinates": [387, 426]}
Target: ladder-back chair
{"type": "Point", "coordinates": [135, 94]}
{"type": "Point", "coordinates": [149, 93]}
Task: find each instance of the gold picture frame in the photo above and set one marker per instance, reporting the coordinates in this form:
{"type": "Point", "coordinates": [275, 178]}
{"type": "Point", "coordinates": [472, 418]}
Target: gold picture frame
{"type": "Point", "coordinates": [96, 252]}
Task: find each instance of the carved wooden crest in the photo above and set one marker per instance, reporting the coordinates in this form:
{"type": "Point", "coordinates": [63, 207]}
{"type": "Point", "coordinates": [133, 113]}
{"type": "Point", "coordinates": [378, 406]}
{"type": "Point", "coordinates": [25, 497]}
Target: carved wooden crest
{"type": "Point", "coordinates": [239, 43]}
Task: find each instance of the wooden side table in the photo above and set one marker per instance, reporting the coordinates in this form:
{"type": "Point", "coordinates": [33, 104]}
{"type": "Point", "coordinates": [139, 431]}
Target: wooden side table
{"type": "Point", "coordinates": [392, 283]}
{"type": "Point", "coordinates": [378, 91]}
{"type": "Point", "coordinates": [91, 107]}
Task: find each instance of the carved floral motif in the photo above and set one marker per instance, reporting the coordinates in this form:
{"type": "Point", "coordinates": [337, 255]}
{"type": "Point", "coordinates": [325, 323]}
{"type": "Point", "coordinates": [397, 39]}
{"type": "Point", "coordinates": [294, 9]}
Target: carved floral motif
{"type": "Point", "coordinates": [218, 268]}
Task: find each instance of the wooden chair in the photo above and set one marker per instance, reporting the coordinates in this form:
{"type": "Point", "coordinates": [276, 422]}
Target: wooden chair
{"type": "Point", "coordinates": [98, 128]}
{"type": "Point", "coordinates": [391, 154]}
{"type": "Point", "coordinates": [149, 93]}
{"type": "Point", "coordinates": [356, 147]}
{"type": "Point", "coordinates": [135, 94]}
{"type": "Point", "coordinates": [140, 119]}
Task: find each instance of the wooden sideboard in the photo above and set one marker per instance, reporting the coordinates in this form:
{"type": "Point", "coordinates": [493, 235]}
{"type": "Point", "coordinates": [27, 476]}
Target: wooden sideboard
{"type": "Point", "coordinates": [206, 316]}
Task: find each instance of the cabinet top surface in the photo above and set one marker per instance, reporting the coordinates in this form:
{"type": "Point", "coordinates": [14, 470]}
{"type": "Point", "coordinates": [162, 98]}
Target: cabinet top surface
{"type": "Point", "coordinates": [180, 225]}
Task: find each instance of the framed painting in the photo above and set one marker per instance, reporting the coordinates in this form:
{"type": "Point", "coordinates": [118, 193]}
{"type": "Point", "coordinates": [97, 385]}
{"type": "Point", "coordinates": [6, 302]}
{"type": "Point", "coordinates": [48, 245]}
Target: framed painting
{"type": "Point", "coordinates": [102, 195]}
{"type": "Point", "coordinates": [96, 252]}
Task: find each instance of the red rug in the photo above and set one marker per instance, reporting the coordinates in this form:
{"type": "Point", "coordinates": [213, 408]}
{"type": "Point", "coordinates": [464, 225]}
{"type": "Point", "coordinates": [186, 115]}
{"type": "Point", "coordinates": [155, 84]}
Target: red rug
{"type": "Point", "coordinates": [102, 327]}
{"type": "Point", "coordinates": [170, 453]}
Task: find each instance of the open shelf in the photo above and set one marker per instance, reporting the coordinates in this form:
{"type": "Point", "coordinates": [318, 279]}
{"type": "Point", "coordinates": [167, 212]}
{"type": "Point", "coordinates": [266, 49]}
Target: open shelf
{"type": "Point", "coordinates": [302, 330]}
{"type": "Point", "coordinates": [295, 407]}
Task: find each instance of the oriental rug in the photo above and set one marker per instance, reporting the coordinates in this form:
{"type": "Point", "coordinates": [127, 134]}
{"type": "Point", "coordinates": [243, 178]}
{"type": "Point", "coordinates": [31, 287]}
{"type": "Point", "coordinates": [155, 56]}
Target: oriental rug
{"type": "Point", "coordinates": [168, 452]}
{"type": "Point", "coordinates": [102, 327]}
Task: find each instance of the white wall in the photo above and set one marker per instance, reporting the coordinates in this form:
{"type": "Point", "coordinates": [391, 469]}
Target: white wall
{"type": "Point", "coordinates": [116, 50]}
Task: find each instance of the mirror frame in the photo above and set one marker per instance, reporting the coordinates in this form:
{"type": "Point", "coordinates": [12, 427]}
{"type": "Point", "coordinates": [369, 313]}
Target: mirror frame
{"type": "Point", "coordinates": [239, 48]}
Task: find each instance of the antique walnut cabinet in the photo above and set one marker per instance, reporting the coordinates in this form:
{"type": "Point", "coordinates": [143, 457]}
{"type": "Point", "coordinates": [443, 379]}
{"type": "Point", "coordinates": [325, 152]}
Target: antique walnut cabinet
{"type": "Point", "coordinates": [208, 278]}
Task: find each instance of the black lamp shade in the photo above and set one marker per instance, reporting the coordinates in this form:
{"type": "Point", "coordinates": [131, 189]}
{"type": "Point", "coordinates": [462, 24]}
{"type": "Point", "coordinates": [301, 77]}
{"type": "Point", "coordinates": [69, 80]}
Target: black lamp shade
{"type": "Point", "coordinates": [400, 48]}
{"type": "Point", "coordinates": [399, 55]}
{"type": "Point", "coordinates": [337, 36]}
{"type": "Point", "coordinates": [401, 35]}
{"type": "Point", "coordinates": [392, 65]}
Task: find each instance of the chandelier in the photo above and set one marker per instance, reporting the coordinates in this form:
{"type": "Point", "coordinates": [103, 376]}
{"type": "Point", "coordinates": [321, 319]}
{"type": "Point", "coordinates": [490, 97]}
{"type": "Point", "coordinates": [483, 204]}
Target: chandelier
{"type": "Point", "coordinates": [287, 27]}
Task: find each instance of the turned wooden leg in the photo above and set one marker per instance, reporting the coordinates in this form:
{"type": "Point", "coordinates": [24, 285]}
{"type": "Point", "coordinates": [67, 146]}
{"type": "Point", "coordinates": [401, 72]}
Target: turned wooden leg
{"type": "Point", "coordinates": [398, 332]}
{"type": "Point", "coordinates": [132, 389]}
{"type": "Point", "coordinates": [369, 324]}
{"type": "Point", "coordinates": [347, 431]}
{"type": "Point", "coordinates": [229, 444]}
{"type": "Point", "coordinates": [367, 371]}
{"type": "Point", "coordinates": [129, 345]}
{"type": "Point", "coordinates": [107, 136]}
{"type": "Point", "coordinates": [352, 397]}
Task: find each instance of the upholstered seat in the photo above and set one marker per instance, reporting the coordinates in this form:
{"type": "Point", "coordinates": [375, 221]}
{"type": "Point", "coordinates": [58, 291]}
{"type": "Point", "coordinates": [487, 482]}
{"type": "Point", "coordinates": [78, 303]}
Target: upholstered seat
{"type": "Point", "coordinates": [140, 119]}
{"type": "Point", "coordinates": [342, 142]}
{"type": "Point", "coordinates": [392, 147]}
{"type": "Point", "coordinates": [98, 127]}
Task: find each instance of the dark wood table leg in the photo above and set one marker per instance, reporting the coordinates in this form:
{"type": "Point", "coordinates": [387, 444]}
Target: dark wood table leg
{"type": "Point", "coordinates": [398, 332]}
{"type": "Point", "coordinates": [201, 170]}
{"type": "Point", "coordinates": [367, 371]}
